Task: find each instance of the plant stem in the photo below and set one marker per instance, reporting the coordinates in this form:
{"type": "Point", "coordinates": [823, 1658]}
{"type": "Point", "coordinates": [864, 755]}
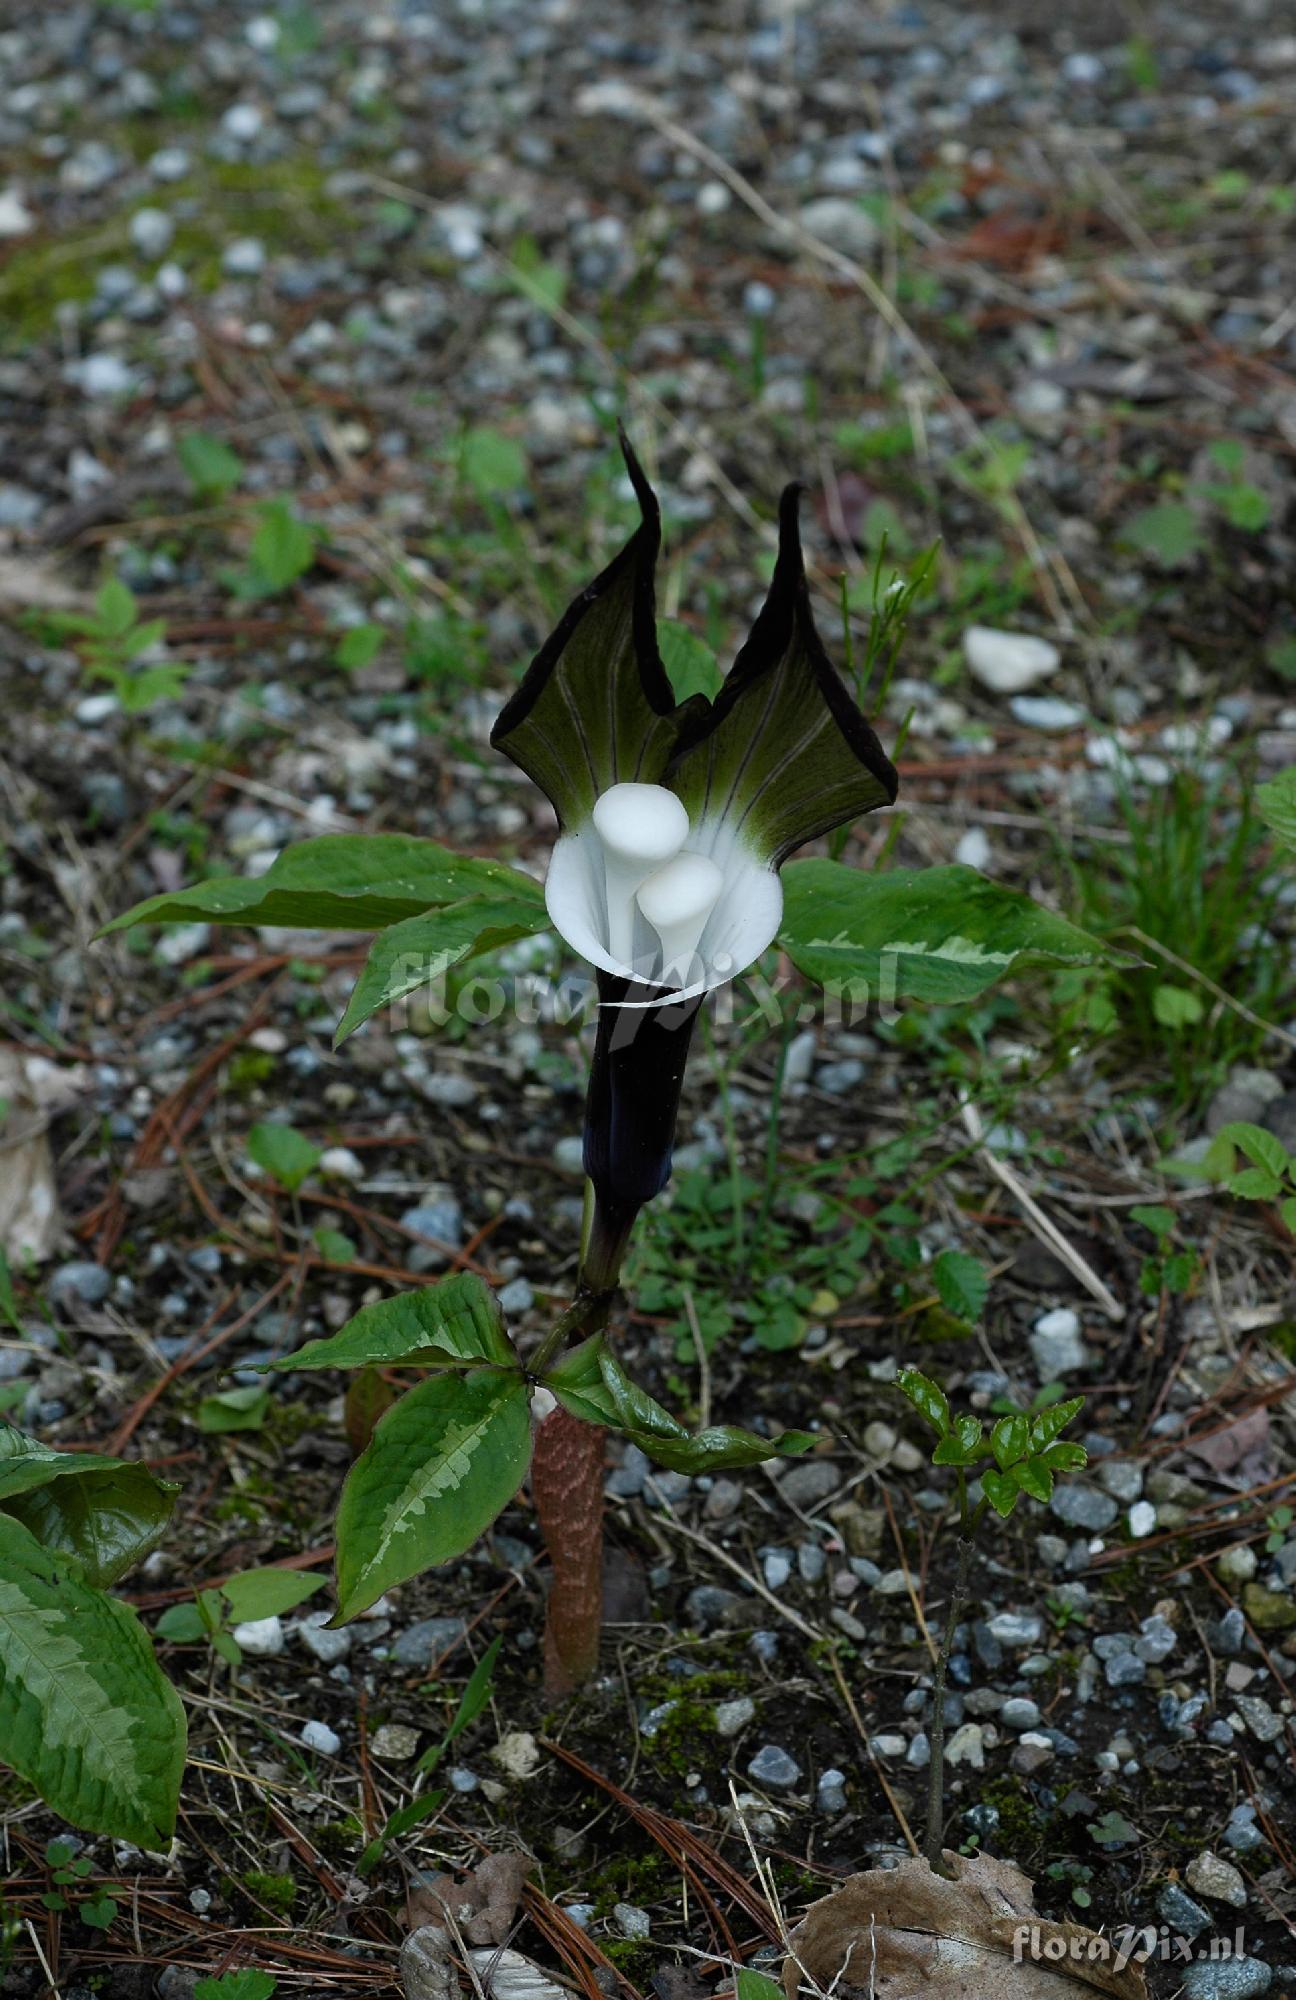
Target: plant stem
{"type": "Point", "coordinates": [936, 1769]}
{"type": "Point", "coordinates": [567, 1488]}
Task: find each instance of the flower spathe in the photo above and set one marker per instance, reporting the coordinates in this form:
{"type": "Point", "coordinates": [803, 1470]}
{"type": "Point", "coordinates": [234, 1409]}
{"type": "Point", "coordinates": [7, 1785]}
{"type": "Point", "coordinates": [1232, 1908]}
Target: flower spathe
{"type": "Point", "coordinates": [674, 817]}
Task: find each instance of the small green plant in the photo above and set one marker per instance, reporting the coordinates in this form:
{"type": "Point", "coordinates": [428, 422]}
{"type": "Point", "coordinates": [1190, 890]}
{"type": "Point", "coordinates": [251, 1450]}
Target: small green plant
{"type": "Point", "coordinates": [244, 1599]}
{"type": "Point", "coordinates": [1268, 1176]}
{"type": "Point", "coordinates": [1168, 1269]}
{"type": "Point", "coordinates": [1240, 501]}
{"type": "Point", "coordinates": [1019, 1456]}
{"type": "Point", "coordinates": [247, 1984]}
{"type": "Point", "coordinates": [212, 469]}
{"type": "Point", "coordinates": [282, 550]}
{"type": "Point", "coordinates": [471, 1703]}
{"type": "Point", "coordinates": [68, 1872]}
{"type": "Point", "coordinates": [111, 641]}
{"type": "Point", "coordinates": [1279, 1525]}
{"type": "Point", "coordinates": [358, 645]}
{"type": "Point", "coordinates": [284, 1153]}
{"type": "Point", "coordinates": [1078, 1875]}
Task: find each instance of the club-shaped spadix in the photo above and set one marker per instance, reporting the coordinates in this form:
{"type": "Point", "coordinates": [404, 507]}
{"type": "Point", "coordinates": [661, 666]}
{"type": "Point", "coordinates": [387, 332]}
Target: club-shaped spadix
{"type": "Point", "coordinates": [677, 901]}
{"type": "Point", "coordinates": [640, 827]}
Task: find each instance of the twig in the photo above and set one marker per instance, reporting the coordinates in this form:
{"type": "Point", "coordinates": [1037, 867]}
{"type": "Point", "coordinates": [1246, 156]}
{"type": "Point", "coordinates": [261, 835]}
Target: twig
{"type": "Point", "coordinates": [1047, 1231]}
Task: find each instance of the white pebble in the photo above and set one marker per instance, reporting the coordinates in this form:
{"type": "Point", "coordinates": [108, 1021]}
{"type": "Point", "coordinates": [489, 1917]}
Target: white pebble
{"type": "Point", "coordinates": [1008, 662]}
{"type": "Point", "coordinates": [973, 850]}
{"type": "Point", "coordinates": [318, 1736]}
{"type": "Point", "coordinates": [260, 1638]}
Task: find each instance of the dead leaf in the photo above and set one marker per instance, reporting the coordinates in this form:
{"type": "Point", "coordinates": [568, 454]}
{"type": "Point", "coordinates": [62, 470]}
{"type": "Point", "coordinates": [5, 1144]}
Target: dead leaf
{"type": "Point", "coordinates": [483, 1906]}
{"type": "Point", "coordinates": [1228, 1450]}
{"type": "Point", "coordinates": [908, 1934]}
{"type": "Point", "coordinates": [32, 1089]}
{"type": "Point", "coordinates": [507, 1975]}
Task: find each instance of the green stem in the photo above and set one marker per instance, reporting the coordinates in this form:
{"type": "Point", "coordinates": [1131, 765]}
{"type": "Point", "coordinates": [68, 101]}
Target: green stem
{"type": "Point", "coordinates": [587, 1313]}
{"type": "Point", "coordinates": [936, 1769]}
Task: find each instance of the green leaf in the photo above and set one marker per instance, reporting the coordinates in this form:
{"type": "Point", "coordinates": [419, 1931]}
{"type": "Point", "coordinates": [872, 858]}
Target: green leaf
{"type": "Point", "coordinates": [751, 1985]}
{"type": "Point", "coordinates": [100, 1912]}
{"type": "Point", "coordinates": [246, 1984]}
{"type": "Point", "coordinates": [107, 1512]}
{"type": "Point", "coordinates": [492, 463]}
{"type": "Point", "coordinates": [8, 1297]}
{"type": "Point", "coordinates": [577, 1381]}
{"type": "Point", "coordinates": [1177, 1006]}
{"type": "Point", "coordinates": [334, 1245]}
{"type": "Point", "coordinates": [939, 934]}
{"type": "Point", "coordinates": [1168, 532]}
{"type": "Point", "coordinates": [342, 881]}
{"type": "Point", "coordinates": [358, 645]}
{"type": "Point", "coordinates": [927, 1397]}
{"type": "Point", "coordinates": [1046, 1424]}
{"type": "Point", "coordinates": [86, 1714]}
{"type": "Point", "coordinates": [471, 1703]}
{"type": "Point", "coordinates": [233, 1410]}
{"type": "Point", "coordinates": [1001, 1490]}
{"type": "Point", "coordinates": [721, 1448]}
{"type": "Point", "coordinates": [1063, 1457]}
{"type": "Point", "coordinates": [283, 547]}
{"type": "Point", "coordinates": [181, 1624]}
{"type": "Point", "coordinates": [443, 1463]}
{"type": "Point", "coordinates": [691, 666]}
{"type": "Point", "coordinates": [265, 1593]}
{"type": "Point", "coordinates": [963, 1283]}
{"type": "Point", "coordinates": [1263, 1149]}
{"type": "Point", "coordinates": [965, 1446]}
{"type": "Point", "coordinates": [402, 1821]}
{"type": "Point", "coordinates": [591, 1383]}
{"type": "Point", "coordinates": [1010, 1439]}
{"type": "Point", "coordinates": [1276, 802]}
{"type": "Point", "coordinates": [417, 952]}
{"type": "Point", "coordinates": [1113, 1830]}
{"type": "Point", "coordinates": [211, 468]}
{"type": "Point", "coordinates": [287, 1155]}
{"type": "Point", "coordinates": [1287, 1210]}
{"type": "Point", "coordinates": [115, 608]}
{"type": "Point", "coordinates": [457, 1320]}
{"type": "Point", "coordinates": [1254, 1184]}
{"type": "Point", "coordinates": [1034, 1477]}
{"type": "Point", "coordinates": [1158, 1221]}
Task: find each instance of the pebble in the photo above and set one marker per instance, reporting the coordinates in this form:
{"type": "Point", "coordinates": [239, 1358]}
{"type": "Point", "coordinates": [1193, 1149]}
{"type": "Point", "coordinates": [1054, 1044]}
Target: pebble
{"type": "Point", "coordinates": [180, 943]}
{"type": "Point", "coordinates": [1056, 1346]}
{"type": "Point", "coordinates": [1142, 1519]}
{"type": "Point", "coordinates": [733, 1716]}
{"type": "Point", "coordinates": [774, 1768]}
{"type": "Point", "coordinates": [1047, 712]}
{"type": "Point", "coordinates": [328, 1647]}
{"type": "Point", "coordinates": [81, 1282]}
{"type": "Point", "coordinates": [974, 850]}
{"type": "Point", "coordinates": [339, 1163]}
{"type": "Point", "coordinates": [1084, 1507]}
{"type": "Point", "coordinates": [422, 1644]}
{"type": "Point", "coordinates": [1178, 1910]}
{"type": "Point", "coordinates": [245, 257]}
{"type": "Point", "coordinates": [723, 1501]}
{"type": "Point", "coordinates": [260, 1638]}
{"type": "Point", "coordinates": [16, 219]}
{"type": "Point", "coordinates": [1259, 1718]}
{"type": "Point", "coordinates": [1157, 1639]}
{"type": "Point", "coordinates": [1241, 1978]}
{"type": "Point", "coordinates": [967, 1746]}
{"type": "Point", "coordinates": [830, 1793]}
{"type": "Point", "coordinates": [1238, 1564]}
{"type": "Point", "coordinates": [318, 1736]}
{"type": "Point", "coordinates": [152, 232]}
{"type": "Point", "coordinates": [1210, 1875]}
{"type": "Point", "coordinates": [809, 1484]}
{"type": "Point", "coordinates": [394, 1742]}
{"type": "Point", "coordinates": [844, 225]}
{"type": "Point", "coordinates": [1015, 1628]}
{"type": "Point", "coordinates": [517, 1754]}
{"type": "Point", "coordinates": [1008, 662]}
{"type": "Point", "coordinates": [631, 1921]}
{"type": "Point", "coordinates": [1020, 1713]}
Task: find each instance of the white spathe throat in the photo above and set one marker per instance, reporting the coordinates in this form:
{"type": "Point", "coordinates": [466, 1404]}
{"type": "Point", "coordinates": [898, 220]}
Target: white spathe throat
{"type": "Point", "coordinates": [639, 892]}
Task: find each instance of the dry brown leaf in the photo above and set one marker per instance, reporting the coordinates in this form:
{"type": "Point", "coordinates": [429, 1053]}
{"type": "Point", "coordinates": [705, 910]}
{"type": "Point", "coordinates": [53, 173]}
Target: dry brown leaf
{"type": "Point", "coordinates": [484, 1905]}
{"type": "Point", "coordinates": [32, 1089]}
{"type": "Point", "coordinates": [908, 1934]}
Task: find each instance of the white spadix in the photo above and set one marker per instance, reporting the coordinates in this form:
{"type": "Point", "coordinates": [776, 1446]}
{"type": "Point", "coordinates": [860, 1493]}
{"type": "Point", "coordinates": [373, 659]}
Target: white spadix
{"type": "Point", "coordinates": [677, 902]}
{"type": "Point", "coordinates": [640, 827]}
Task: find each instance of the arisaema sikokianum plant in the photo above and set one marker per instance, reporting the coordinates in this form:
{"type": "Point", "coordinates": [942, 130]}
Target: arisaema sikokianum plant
{"type": "Point", "coordinates": [670, 876]}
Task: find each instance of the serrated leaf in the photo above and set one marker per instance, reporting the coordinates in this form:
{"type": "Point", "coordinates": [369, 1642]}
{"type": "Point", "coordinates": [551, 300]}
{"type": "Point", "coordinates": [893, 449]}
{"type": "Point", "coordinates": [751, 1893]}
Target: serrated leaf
{"type": "Point", "coordinates": [413, 954]}
{"type": "Point", "coordinates": [266, 1593]}
{"type": "Point", "coordinates": [1001, 1490]}
{"type": "Point", "coordinates": [457, 1320]}
{"type": "Point", "coordinates": [939, 934]}
{"type": "Point", "coordinates": [443, 1463]}
{"type": "Point", "coordinates": [1034, 1477]}
{"type": "Point", "coordinates": [927, 1397]}
{"type": "Point", "coordinates": [963, 1283]}
{"type": "Point", "coordinates": [248, 1983]}
{"type": "Point", "coordinates": [287, 1155]}
{"type": "Point", "coordinates": [1276, 804]}
{"type": "Point", "coordinates": [1010, 1439]}
{"type": "Point", "coordinates": [86, 1714]}
{"type": "Point", "coordinates": [1046, 1424]}
{"type": "Point", "coordinates": [342, 881]}
{"type": "Point", "coordinates": [1063, 1457]}
{"type": "Point", "coordinates": [967, 1444]}
{"type": "Point", "coordinates": [1263, 1149]}
{"type": "Point", "coordinates": [1254, 1184]}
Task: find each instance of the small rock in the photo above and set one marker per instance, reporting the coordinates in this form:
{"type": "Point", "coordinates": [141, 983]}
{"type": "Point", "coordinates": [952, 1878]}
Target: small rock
{"type": "Point", "coordinates": [243, 258]}
{"type": "Point", "coordinates": [830, 1793]}
{"type": "Point", "coordinates": [517, 1754]}
{"type": "Point", "coordinates": [318, 1736]}
{"type": "Point", "coordinates": [151, 231]}
{"type": "Point", "coordinates": [16, 219]}
{"type": "Point", "coordinates": [809, 1484]}
{"type": "Point", "coordinates": [1259, 1718]}
{"type": "Point", "coordinates": [1268, 1610]}
{"type": "Point", "coordinates": [631, 1921]}
{"type": "Point", "coordinates": [516, 1297]}
{"type": "Point", "coordinates": [974, 850]}
{"type": "Point", "coordinates": [1184, 1917]}
{"type": "Point", "coordinates": [1008, 662]}
{"type": "Point", "coordinates": [426, 1972]}
{"type": "Point", "coordinates": [1238, 1564]}
{"type": "Point", "coordinates": [1157, 1641]}
{"type": "Point", "coordinates": [1056, 1345]}
{"type": "Point", "coordinates": [339, 1163]}
{"type": "Point", "coordinates": [844, 225]}
{"type": "Point", "coordinates": [879, 1440]}
{"type": "Point", "coordinates": [774, 1768]}
{"type": "Point", "coordinates": [1210, 1875]}
{"type": "Point", "coordinates": [1226, 1979]}
{"type": "Point", "coordinates": [1016, 1628]}
{"type": "Point", "coordinates": [328, 1647]}
{"type": "Point", "coordinates": [732, 1716]}
{"type": "Point", "coordinates": [1047, 712]}
{"type": "Point", "coordinates": [709, 1605]}
{"type": "Point", "coordinates": [425, 1643]}
{"type": "Point", "coordinates": [1020, 1713]}
{"type": "Point", "coordinates": [1084, 1507]}
{"type": "Point", "coordinates": [260, 1638]}
{"type": "Point", "coordinates": [80, 1283]}
{"type": "Point", "coordinates": [723, 1501]}
{"type": "Point", "coordinates": [394, 1742]}
{"type": "Point", "coordinates": [967, 1746]}
{"type": "Point", "coordinates": [1124, 1670]}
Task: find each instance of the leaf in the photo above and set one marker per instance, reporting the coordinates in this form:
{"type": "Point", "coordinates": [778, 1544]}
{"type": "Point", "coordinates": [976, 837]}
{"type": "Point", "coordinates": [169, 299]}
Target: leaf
{"type": "Point", "coordinates": [1177, 1006]}
{"type": "Point", "coordinates": [287, 1155]}
{"type": "Point", "coordinates": [1168, 532]}
{"type": "Point", "coordinates": [927, 1397]}
{"type": "Point", "coordinates": [472, 1701]}
{"type": "Point", "coordinates": [248, 1983]}
{"type": "Point", "coordinates": [86, 1715]}
{"type": "Point", "coordinates": [1000, 1490]}
{"type": "Point", "coordinates": [691, 666]}
{"type": "Point", "coordinates": [334, 1246]}
{"type": "Point", "coordinates": [342, 881]}
{"type": "Point", "coordinates": [939, 934]}
{"type": "Point", "coordinates": [107, 1512]}
{"type": "Point", "coordinates": [963, 1283]}
{"type": "Point", "coordinates": [181, 1624]}
{"type": "Point", "coordinates": [233, 1410]}
{"type": "Point", "coordinates": [1276, 803]}
{"type": "Point", "coordinates": [1158, 1221]}
{"type": "Point", "coordinates": [1010, 1439]}
{"type": "Point", "coordinates": [265, 1593]}
{"type": "Point", "coordinates": [721, 1448]}
{"type": "Point", "coordinates": [1034, 1477]}
{"type": "Point", "coordinates": [965, 1446]}
{"type": "Point", "coordinates": [1046, 1424]}
{"type": "Point", "coordinates": [1263, 1149]}
{"type": "Point", "coordinates": [415, 953]}
{"type": "Point", "coordinates": [1254, 1184]}
{"type": "Point", "coordinates": [457, 1320]}
{"type": "Point", "coordinates": [358, 645]}
{"type": "Point", "coordinates": [751, 1985]}
{"type": "Point", "coordinates": [369, 1396]}
{"type": "Point", "coordinates": [99, 1912]}
{"type": "Point", "coordinates": [443, 1463]}
{"type": "Point", "coordinates": [283, 547]}
{"type": "Point", "coordinates": [1113, 1830]}
{"type": "Point", "coordinates": [1064, 1457]}
{"type": "Point", "coordinates": [115, 608]}
{"type": "Point", "coordinates": [591, 1383]}
{"type": "Point", "coordinates": [1287, 1210]}
{"type": "Point", "coordinates": [211, 468]}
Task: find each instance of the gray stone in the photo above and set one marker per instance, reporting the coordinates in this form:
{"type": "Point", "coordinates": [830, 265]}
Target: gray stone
{"type": "Point", "coordinates": [1259, 1718]}
{"type": "Point", "coordinates": [328, 1647]}
{"type": "Point", "coordinates": [809, 1484]}
{"type": "Point", "coordinates": [844, 225]}
{"type": "Point", "coordinates": [1178, 1909]}
{"type": "Point", "coordinates": [420, 1645]}
{"type": "Point", "coordinates": [1242, 1834]}
{"type": "Point", "coordinates": [774, 1768]}
{"type": "Point", "coordinates": [1124, 1670]}
{"type": "Point", "coordinates": [1244, 1098]}
{"type": "Point", "coordinates": [260, 1638]}
{"type": "Point", "coordinates": [830, 1793]}
{"type": "Point", "coordinates": [1157, 1639]}
{"type": "Point", "coordinates": [723, 1501]}
{"type": "Point", "coordinates": [79, 1283]}
{"type": "Point", "coordinates": [1084, 1507]}
{"type": "Point", "coordinates": [245, 257]}
{"type": "Point", "coordinates": [1008, 662]}
{"type": "Point", "coordinates": [426, 1972]}
{"type": "Point", "coordinates": [1020, 1713]}
{"type": "Point", "coordinates": [1056, 1346]}
{"type": "Point", "coordinates": [1210, 1875]}
{"type": "Point", "coordinates": [631, 1921]}
{"type": "Point", "coordinates": [709, 1605]}
{"type": "Point", "coordinates": [1015, 1628]}
{"type": "Point", "coordinates": [515, 1297]}
{"type": "Point", "coordinates": [318, 1736]}
{"type": "Point", "coordinates": [733, 1716]}
{"type": "Point", "coordinates": [151, 231]}
{"type": "Point", "coordinates": [1226, 1979]}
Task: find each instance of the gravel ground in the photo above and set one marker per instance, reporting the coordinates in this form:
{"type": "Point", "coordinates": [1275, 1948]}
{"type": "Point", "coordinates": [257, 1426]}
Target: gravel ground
{"type": "Point", "coordinates": [1024, 288]}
